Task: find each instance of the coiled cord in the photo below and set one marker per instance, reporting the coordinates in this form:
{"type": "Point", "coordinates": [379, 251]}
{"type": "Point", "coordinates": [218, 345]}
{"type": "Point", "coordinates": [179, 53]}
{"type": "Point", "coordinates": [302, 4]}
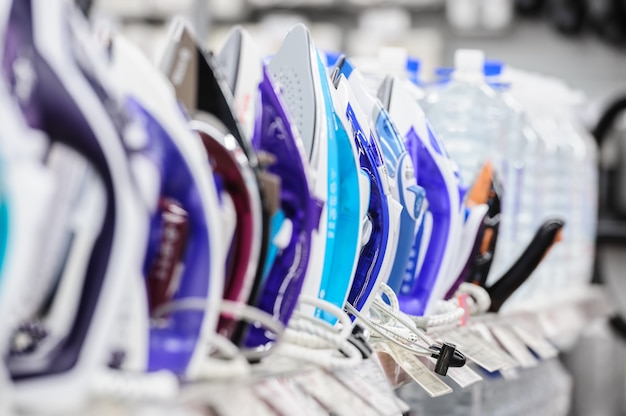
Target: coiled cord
{"type": "Point", "coordinates": [479, 299]}
{"type": "Point", "coordinates": [317, 342]}
{"type": "Point", "coordinates": [232, 361]}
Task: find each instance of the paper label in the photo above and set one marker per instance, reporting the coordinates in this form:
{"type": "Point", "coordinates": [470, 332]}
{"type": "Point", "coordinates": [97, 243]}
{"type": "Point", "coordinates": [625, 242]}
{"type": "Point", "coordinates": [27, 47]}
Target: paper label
{"type": "Point", "coordinates": [514, 346]}
{"type": "Point", "coordinates": [419, 372]}
{"type": "Point", "coordinates": [483, 331]}
{"type": "Point", "coordinates": [562, 320]}
{"type": "Point", "coordinates": [485, 354]}
{"type": "Point", "coordinates": [370, 383]}
{"type": "Point", "coordinates": [331, 394]}
{"type": "Point", "coordinates": [394, 373]}
{"type": "Point", "coordinates": [236, 399]}
{"type": "Point", "coordinates": [275, 393]}
{"type": "Point", "coordinates": [531, 336]}
{"type": "Point", "coordinates": [306, 402]}
{"type": "Point", "coordinates": [463, 376]}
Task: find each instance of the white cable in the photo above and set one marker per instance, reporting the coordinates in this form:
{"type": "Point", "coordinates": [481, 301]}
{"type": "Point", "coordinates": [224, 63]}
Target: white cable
{"type": "Point", "coordinates": [405, 337]}
{"type": "Point", "coordinates": [239, 311]}
{"type": "Point", "coordinates": [448, 313]}
{"type": "Point", "coordinates": [479, 301]}
{"type": "Point", "coordinates": [229, 362]}
{"type": "Point", "coordinates": [343, 320]}
{"type": "Point", "coordinates": [326, 358]}
{"type": "Point", "coordinates": [316, 341]}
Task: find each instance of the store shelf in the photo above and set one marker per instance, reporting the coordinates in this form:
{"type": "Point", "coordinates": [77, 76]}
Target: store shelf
{"type": "Point", "coordinates": [278, 385]}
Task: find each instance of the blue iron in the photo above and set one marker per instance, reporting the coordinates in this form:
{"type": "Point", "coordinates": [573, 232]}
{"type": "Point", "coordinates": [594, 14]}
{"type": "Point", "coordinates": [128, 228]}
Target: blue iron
{"type": "Point", "coordinates": [372, 268]}
{"type": "Point", "coordinates": [401, 169]}
{"type": "Point", "coordinates": [303, 82]}
{"type": "Point", "coordinates": [439, 178]}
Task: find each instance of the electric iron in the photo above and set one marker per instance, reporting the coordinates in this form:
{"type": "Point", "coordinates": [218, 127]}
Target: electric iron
{"type": "Point", "coordinates": [487, 189]}
{"type": "Point", "coordinates": [55, 73]}
{"type": "Point", "coordinates": [400, 168]}
{"type": "Point", "coordinates": [25, 193]}
{"type": "Point", "coordinates": [487, 192]}
{"type": "Point", "coordinates": [231, 167]}
{"type": "Point", "coordinates": [548, 234]}
{"type": "Point", "coordinates": [480, 228]}
{"type": "Point", "coordinates": [202, 89]}
{"type": "Point", "coordinates": [241, 64]}
{"type": "Point", "coordinates": [372, 268]}
{"type": "Point", "coordinates": [184, 259]}
{"type": "Point", "coordinates": [301, 77]}
{"type": "Point", "coordinates": [469, 244]}
{"type": "Point", "coordinates": [273, 134]}
{"type": "Point", "coordinates": [438, 176]}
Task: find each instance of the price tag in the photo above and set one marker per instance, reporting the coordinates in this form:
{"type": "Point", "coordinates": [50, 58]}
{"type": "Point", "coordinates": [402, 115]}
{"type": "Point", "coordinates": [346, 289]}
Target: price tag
{"type": "Point", "coordinates": [312, 406]}
{"type": "Point", "coordinates": [394, 373]}
{"type": "Point", "coordinates": [485, 354]}
{"type": "Point", "coordinates": [336, 398]}
{"type": "Point", "coordinates": [483, 332]}
{"type": "Point", "coordinates": [419, 372]}
{"type": "Point", "coordinates": [463, 376]}
{"type": "Point", "coordinates": [370, 383]}
{"type": "Point", "coordinates": [510, 373]}
{"type": "Point", "coordinates": [514, 346]}
{"type": "Point", "coordinates": [535, 340]}
{"type": "Point", "coordinates": [562, 320]}
{"type": "Point", "coordinates": [236, 399]}
{"type": "Point", "coordinates": [275, 393]}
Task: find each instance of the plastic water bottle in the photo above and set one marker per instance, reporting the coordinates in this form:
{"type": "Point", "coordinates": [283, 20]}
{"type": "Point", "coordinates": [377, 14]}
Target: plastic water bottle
{"type": "Point", "coordinates": [469, 116]}
{"type": "Point", "coordinates": [570, 180]}
{"type": "Point", "coordinates": [523, 175]}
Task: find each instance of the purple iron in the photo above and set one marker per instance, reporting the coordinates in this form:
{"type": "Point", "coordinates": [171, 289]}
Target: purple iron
{"type": "Point", "coordinates": [55, 72]}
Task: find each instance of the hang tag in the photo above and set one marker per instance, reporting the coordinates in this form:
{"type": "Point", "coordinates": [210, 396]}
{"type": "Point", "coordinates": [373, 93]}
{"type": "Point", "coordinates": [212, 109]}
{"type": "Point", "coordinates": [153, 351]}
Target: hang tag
{"type": "Point", "coordinates": [331, 394]}
{"type": "Point", "coordinates": [463, 376]}
{"type": "Point", "coordinates": [394, 373]}
{"type": "Point", "coordinates": [483, 332]}
{"type": "Point", "coordinates": [419, 372]}
{"type": "Point", "coordinates": [534, 339]}
{"type": "Point", "coordinates": [235, 399]}
{"type": "Point", "coordinates": [510, 373]}
{"type": "Point", "coordinates": [485, 354]}
{"type": "Point", "coordinates": [312, 406]}
{"type": "Point", "coordinates": [275, 393]}
{"type": "Point", "coordinates": [370, 383]}
{"type": "Point", "coordinates": [514, 346]}
{"type": "Point", "coordinates": [562, 320]}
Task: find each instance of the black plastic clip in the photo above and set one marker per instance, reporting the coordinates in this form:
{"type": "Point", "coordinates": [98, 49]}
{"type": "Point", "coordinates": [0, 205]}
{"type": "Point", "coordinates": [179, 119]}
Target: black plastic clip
{"type": "Point", "coordinates": [357, 338]}
{"type": "Point", "coordinates": [447, 356]}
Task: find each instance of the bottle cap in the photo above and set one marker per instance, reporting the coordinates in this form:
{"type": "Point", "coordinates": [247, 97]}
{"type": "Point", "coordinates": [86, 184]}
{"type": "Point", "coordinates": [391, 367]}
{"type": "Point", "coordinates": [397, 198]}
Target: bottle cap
{"type": "Point", "coordinates": [493, 68]}
{"type": "Point", "coordinates": [469, 61]}
{"type": "Point", "coordinates": [393, 60]}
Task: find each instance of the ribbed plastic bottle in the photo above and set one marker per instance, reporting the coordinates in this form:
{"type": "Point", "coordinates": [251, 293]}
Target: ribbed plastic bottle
{"type": "Point", "coordinates": [522, 173]}
{"type": "Point", "coordinates": [569, 187]}
{"type": "Point", "coordinates": [469, 116]}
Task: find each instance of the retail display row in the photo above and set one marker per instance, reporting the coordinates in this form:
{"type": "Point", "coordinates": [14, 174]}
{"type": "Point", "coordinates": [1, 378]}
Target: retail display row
{"type": "Point", "coordinates": [390, 382]}
{"type": "Point", "coordinates": [257, 230]}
